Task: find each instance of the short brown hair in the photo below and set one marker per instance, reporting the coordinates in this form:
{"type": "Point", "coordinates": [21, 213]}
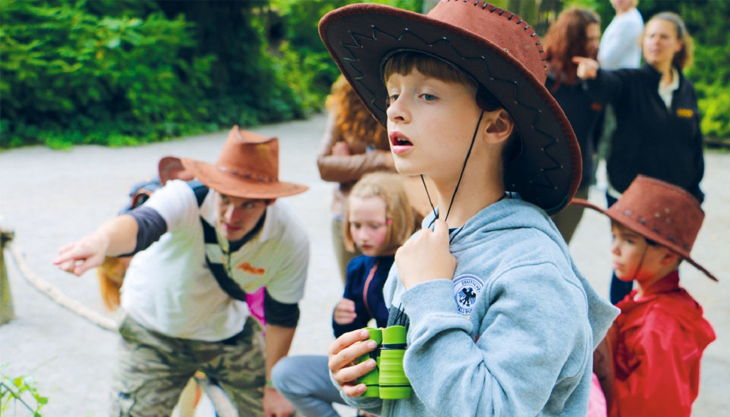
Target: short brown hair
{"type": "Point", "coordinates": [405, 62]}
{"type": "Point", "coordinates": [399, 213]}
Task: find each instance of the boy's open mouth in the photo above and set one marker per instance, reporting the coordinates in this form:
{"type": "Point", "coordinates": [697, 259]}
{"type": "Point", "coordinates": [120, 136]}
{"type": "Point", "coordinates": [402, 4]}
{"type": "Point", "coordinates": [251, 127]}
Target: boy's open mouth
{"type": "Point", "coordinates": [399, 142]}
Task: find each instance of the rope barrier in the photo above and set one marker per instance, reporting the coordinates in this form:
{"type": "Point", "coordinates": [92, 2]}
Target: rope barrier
{"type": "Point", "coordinates": [221, 403]}
{"type": "Point", "coordinates": [58, 296]}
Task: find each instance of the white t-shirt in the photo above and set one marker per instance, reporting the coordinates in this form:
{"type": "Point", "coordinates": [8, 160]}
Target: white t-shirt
{"type": "Point", "coordinates": [667, 92]}
{"type": "Point", "coordinates": [169, 288]}
{"type": "Point", "coordinates": [620, 42]}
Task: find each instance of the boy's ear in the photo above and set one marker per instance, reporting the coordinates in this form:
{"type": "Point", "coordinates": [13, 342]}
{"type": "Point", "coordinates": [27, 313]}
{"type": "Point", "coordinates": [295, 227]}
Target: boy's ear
{"type": "Point", "coordinates": [499, 126]}
{"type": "Point", "coordinates": [669, 257]}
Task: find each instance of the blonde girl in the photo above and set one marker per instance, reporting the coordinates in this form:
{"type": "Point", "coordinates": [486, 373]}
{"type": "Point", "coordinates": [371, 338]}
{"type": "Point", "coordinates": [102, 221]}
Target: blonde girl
{"type": "Point", "coordinates": [378, 220]}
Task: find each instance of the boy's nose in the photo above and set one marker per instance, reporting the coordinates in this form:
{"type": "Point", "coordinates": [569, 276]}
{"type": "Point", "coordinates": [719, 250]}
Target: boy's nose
{"type": "Point", "coordinates": [232, 213]}
{"type": "Point", "coordinates": [397, 112]}
{"type": "Point", "coordinates": [614, 248]}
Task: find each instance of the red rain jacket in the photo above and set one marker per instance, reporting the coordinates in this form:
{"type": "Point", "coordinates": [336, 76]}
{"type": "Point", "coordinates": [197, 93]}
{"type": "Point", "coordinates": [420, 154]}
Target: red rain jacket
{"type": "Point", "coordinates": [657, 344]}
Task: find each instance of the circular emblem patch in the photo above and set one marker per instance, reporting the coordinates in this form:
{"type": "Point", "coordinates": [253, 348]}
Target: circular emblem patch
{"type": "Point", "coordinates": [466, 292]}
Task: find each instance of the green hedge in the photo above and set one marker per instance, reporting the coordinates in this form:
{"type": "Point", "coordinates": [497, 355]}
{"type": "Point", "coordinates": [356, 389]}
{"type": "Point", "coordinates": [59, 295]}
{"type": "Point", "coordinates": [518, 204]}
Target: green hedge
{"type": "Point", "coordinates": [120, 72]}
{"type": "Point", "coordinates": [69, 76]}
{"type": "Point", "coordinates": [303, 60]}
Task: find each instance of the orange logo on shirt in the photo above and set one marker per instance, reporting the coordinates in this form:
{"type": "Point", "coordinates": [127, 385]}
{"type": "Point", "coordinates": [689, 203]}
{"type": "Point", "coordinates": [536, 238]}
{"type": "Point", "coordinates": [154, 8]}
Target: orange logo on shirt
{"type": "Point", "coordinates": [247, 267]}
{"type": "Point", "coordinates": [685, 113]}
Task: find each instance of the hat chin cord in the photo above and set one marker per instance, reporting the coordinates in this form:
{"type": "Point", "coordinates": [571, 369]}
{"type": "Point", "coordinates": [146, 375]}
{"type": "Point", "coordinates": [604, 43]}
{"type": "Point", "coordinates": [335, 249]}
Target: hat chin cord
{"type": "Point", "coordinates": [641, 262]}
{"type": "Point", "coordinates": [461, 175]}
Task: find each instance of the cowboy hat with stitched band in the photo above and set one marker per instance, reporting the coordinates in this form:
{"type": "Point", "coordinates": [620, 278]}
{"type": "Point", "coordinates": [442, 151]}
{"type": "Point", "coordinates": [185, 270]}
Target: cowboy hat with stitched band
{"type": "Point", "coordinates": [248, 167]}
{"type": "Point", "coordinates": [496, 48]}
{"type": "Point", "coordinates": [659, 211]}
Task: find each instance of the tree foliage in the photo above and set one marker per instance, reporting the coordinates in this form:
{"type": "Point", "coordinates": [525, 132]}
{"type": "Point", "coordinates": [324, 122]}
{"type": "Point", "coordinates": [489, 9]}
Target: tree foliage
{"type": "Point", "coordinates": [122, 72]}
{"type": "Point", "coordinates": [71, 76]}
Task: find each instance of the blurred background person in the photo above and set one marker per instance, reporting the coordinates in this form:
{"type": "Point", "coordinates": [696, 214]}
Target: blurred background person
{"type": "Point", "coordinates": [620, 42]}
{"type": "Point", "coordinates": [576, 32]}
{"type": "Point", "coordinates": [619, 48]}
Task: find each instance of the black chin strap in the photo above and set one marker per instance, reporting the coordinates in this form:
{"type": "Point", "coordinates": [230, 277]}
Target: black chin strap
{"type": "Point", "coordinates": [461, 175]}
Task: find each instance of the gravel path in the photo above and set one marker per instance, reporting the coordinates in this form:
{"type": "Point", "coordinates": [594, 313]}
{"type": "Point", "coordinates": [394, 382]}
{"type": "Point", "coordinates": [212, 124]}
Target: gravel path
{"type": "Point", "coordinates": [52, 197]}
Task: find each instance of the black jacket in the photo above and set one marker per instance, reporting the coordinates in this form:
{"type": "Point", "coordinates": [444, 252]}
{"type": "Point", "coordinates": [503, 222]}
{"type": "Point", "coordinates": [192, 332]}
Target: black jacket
{"type": "Point", "coordinates": [357, 277]}
{"type": "Point", "coordinates": [583, 112]}
{"type": "Point", "coordinates": [649, 138]}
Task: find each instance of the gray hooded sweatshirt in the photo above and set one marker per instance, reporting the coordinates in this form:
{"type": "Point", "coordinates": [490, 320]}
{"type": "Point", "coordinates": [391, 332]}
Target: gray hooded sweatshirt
{"type": "Point", "coordinates": [512, 334]}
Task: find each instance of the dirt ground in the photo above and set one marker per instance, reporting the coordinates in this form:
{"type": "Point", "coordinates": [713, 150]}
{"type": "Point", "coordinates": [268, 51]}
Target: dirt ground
{"type": "Point", "coordinates": [52, 197]}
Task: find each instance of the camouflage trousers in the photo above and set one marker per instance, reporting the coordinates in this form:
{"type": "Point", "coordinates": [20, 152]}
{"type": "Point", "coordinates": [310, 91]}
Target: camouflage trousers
{"type": "Point", "coordinates": [152, 370]}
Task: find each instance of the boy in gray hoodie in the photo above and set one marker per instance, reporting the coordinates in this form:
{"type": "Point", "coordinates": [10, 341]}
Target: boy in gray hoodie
{"type": "Point", "coordinates": [501, 321]}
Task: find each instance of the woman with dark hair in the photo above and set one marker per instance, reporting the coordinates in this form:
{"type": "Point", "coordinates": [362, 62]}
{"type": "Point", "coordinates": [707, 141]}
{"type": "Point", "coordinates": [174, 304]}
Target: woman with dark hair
{"type": "Point", "coordinates": [657, 122]}
{"type": "Point", "coordinates": [576, 32]}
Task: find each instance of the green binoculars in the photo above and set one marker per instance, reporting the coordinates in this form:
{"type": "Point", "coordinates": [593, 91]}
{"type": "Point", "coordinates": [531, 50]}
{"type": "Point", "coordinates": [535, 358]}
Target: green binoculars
{"type": "Point", "coordinates": [388, 380]}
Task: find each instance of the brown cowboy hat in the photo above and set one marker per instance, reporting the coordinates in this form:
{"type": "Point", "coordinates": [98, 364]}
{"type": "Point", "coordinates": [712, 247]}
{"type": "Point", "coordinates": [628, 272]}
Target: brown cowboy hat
{"type": "Point", "coordinates": [659, 211]}
{"type": "Point", "coordinates": [171, 168]}
{"type": "Point", "coordinates": [495, 47]}
{"type": "Point", "coordinates": [248, 167]}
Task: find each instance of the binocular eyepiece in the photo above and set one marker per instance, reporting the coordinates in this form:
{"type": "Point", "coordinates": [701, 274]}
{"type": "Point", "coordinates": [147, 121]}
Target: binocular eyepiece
{"type": "Point", "coordinates": [388, 380]}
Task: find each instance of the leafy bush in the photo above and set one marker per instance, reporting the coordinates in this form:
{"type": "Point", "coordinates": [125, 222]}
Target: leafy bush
{"type": "Point", "coordinates": [302, 59]}
{"type": "Point", "coordinates": [69, 76]}
{"type": "Point", "coordinates": [20, 393]}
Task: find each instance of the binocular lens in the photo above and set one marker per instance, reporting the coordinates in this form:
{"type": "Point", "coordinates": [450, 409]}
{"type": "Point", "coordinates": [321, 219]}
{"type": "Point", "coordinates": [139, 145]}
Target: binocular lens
{"type": "Point", "coordinates": [393, 381]}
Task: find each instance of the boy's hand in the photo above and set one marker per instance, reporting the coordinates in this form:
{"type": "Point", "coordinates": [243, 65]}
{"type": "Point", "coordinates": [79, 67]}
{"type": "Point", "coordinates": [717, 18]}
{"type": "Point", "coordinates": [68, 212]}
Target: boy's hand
{"type": "Point", "coordinates": [426, 257]}
{"type": "Point", "coordinates": [345, 312]}
{"type": "Point", "coordinates": [587, 67]}
{"type": "Point", "coordinates": [82, 255]}
{"type": "Point", "coordinates": [343, 354]}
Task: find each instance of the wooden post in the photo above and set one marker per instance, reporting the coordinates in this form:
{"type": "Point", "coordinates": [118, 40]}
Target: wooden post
{"type": "Point", "coordinates": [6, 300]}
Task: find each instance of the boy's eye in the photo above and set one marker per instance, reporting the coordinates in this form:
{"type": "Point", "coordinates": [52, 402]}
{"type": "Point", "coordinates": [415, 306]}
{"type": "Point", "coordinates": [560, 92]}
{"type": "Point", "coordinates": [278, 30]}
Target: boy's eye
{"type": "Point", "coordinates": [391, 98]}
{"type": "Point", "coordinates": [428, 97]}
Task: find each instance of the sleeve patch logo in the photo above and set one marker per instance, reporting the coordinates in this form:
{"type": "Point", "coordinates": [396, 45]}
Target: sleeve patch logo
{"type": "Point", "coordinates": [686, 113]}
{"type": "Point", "coordinates": [253, 270]}
{"type": "Point", "coordinates": [466, 292]}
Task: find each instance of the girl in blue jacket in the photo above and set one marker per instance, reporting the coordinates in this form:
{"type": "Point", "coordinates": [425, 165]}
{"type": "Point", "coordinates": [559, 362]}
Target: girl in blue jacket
{"type": "Point", "coordinates": [378, 220]}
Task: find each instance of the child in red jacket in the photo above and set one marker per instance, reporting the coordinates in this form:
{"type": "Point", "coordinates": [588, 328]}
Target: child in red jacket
{"type": "Point", "coordinates": [656, 343]}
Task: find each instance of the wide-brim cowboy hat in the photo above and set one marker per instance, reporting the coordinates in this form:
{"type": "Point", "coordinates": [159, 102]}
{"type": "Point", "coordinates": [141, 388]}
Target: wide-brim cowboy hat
{"type": "Point", "coordinates": [496, 48]}
{"type": "Point", "coordinates": [248, 167]}
{"type": "Point", "coordinates": [662, 212]}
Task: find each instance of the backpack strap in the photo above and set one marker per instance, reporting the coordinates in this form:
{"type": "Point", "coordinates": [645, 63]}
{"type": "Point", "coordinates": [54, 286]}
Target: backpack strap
{"type": "Point", "coordinates": [210, 237]}
{"type": "Point", "coordinates": [199, 190]}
